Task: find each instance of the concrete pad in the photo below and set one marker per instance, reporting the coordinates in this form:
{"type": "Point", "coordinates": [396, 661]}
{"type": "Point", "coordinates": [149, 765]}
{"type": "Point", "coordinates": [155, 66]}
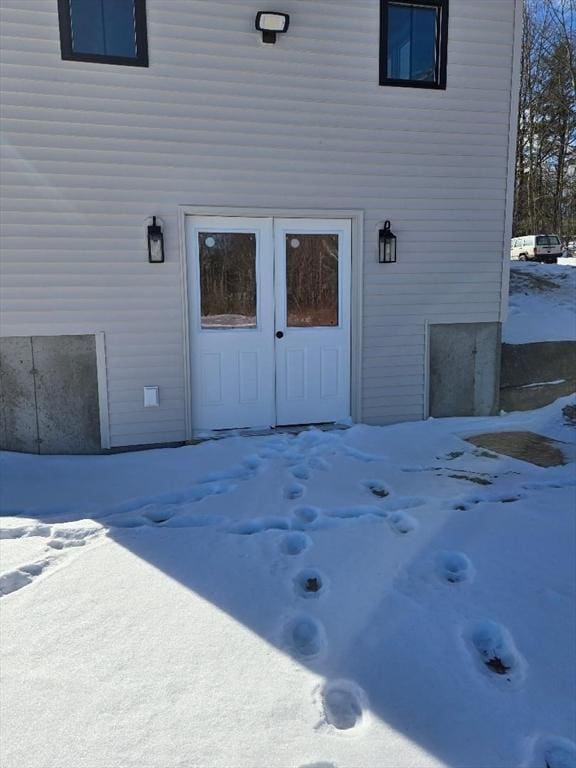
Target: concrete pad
{"type": "Point", "coordinates": [526, 446]}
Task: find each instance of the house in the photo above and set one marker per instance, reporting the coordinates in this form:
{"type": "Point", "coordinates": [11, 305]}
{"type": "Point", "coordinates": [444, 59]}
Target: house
{"type": "Point", "coordinates": [209, 225]}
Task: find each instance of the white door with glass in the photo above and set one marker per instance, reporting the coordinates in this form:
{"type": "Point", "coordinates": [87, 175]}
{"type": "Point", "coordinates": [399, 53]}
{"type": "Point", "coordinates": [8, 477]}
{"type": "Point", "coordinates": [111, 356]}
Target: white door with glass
{"type": "Point", "coordinates": [269, 321]}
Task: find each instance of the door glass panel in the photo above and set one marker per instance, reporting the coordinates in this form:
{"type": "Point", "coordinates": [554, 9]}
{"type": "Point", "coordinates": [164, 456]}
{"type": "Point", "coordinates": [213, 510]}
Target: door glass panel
{"type": "Point", "coordinates": [312, 280]}
{"type": "Point", "coordinates": [227, 279]}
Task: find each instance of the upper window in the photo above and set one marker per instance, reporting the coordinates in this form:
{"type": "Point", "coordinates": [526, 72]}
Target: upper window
{"type": "Point", "coordinates": [106, 31]}
{"type": "Point", "coordinates": [413, 43]}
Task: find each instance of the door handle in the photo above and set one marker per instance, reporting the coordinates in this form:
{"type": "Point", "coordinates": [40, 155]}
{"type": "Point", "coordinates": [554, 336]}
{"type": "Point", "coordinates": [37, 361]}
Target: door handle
{"type": "Point", "coordinates": [279, 334]}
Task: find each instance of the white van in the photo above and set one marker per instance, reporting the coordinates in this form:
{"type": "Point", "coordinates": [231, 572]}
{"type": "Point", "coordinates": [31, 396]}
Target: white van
{"type": "Point", "coordinates": [546, 248]}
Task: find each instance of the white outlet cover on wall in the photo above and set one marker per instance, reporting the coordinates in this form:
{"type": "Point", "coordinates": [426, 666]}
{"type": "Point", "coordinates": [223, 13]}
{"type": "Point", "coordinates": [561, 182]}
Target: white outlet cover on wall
{"type": "Point", "coordinates": [151, 397]}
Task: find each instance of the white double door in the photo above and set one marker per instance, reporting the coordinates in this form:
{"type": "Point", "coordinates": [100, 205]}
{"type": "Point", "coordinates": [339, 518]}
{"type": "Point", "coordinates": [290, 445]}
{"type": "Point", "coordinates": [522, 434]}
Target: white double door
{"type": "Point", "coordinates": [269, 303]}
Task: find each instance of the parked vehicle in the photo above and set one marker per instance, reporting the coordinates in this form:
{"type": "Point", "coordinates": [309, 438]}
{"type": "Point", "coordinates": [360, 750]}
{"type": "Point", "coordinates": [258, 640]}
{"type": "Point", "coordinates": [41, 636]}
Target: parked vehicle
{"type": "Point", "coordinates": [545, 248]}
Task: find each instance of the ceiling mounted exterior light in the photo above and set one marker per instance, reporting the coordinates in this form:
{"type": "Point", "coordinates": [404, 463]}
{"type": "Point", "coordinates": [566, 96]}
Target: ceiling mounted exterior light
{"type": "Point", "coordinates": [271, 24]}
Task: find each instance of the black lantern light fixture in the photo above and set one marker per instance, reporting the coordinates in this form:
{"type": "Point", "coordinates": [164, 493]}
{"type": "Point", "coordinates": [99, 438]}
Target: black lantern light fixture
{"type": "Point", "coordinates": [387, 245]}
{"type": "Point", "coordinates": [271, 24]}
{"type": "Point", "coordinates": [155, 243]}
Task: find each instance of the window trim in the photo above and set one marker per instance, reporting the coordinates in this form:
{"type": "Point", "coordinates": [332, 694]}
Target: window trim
{"type": "Point", "coordinates": [441, 44]}
{"type": "Point", "coordinates": [140, 28]}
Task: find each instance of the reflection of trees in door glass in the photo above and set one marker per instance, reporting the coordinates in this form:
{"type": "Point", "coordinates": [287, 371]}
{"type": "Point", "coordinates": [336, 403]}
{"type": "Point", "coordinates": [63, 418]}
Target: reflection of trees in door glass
{"type": "Point", "coordinates": [312, 280]}
{"type": "Point", "coordinates": [227, 279]}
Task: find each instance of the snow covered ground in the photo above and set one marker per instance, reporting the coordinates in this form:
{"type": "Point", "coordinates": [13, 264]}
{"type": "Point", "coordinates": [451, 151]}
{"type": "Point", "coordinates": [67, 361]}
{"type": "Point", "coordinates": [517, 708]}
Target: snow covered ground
{"type": "Point", "coordinates": [367, 598]}
{"type": "Point", "coordinates": [542, 305]}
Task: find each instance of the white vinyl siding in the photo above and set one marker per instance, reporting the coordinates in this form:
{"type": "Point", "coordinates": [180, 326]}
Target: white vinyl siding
{"type": "Point", "coordinates": [218, 119]}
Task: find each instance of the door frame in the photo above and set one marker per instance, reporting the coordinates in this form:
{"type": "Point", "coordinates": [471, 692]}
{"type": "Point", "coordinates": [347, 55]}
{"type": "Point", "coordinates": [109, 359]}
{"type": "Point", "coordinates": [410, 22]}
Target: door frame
{"type": "Point", "coordinates": [356, 219]}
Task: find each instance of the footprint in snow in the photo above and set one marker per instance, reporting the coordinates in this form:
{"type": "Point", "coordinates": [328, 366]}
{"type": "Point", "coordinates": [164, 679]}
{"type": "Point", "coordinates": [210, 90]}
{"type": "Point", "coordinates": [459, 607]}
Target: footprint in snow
{"type": "Point", "coordinates": [252, 462]}
{"type": "Point", "coordinates": [161, 513]}
{"type": "Point", "coordinates": [306, 515]}
{"type": "Point", "coordinates": [301, 472]}
{"type": "Point", "coordinates": [494, 649]}
{"type": "Point", "coordinates": [502, 498]}
{"type": "Point", "coordinates": [294, 491]}
{"type": "Point", "coordinates": [454, 567]}
{"type": "Point", "coordinates": [309, 583]}
{"type": "Point", "coordinates": [305, 637]}
{"type": "Point", "coordinates": [553, 752]}
{"type": "Point", "coordinates": [295, 543]}
{"type": "Point", "coordinates": [59, 543]}
{"type": "Point", "coordinates": [73, 536]}
{"type": "Point", "coordinates": [12, 581]}
{"type": "Point", "coordinates": [344, 704]}
{"type": "Point", "coordinates": [401, 523]}
{"type": "Point", "coordinates": [376, 488]}
{"type": "Point", "coordinates": [25, 531]}
{"type": "Point", "coordinates": [465, 504]}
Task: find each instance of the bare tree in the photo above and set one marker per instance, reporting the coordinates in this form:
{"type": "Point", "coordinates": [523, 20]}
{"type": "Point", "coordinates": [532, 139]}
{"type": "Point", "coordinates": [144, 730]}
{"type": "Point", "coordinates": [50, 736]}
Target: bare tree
{"type": "Point", "coordinates": [546, 150]}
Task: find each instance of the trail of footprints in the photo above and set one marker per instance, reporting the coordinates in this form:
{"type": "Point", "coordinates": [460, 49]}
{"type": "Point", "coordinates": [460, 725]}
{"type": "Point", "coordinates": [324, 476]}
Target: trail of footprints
{"type": "Point", "coordinates": [12, 581]}
{"type": "Point", "coordinates": [343, 702]}
{"type": "Point", "coordinates": [57, 538]}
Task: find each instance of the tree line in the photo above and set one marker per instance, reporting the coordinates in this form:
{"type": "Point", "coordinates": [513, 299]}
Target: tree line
{"type": "Point", "coordinates": [545, 190]}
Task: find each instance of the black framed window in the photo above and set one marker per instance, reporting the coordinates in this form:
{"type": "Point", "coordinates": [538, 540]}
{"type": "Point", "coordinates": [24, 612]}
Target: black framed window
{"type": "Point", "coordinates": [413, 43]}
{"type": "Point", "coordinates": [105, 31]}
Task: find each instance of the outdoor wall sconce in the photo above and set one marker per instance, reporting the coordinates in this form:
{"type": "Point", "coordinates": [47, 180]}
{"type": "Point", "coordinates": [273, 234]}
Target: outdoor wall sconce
{"type": "Point", "coordinates": [271, 24]}
{"type": "Point", "coordinates": [155, 243]}
{"type": "Point", "coordinates": [387, 245]}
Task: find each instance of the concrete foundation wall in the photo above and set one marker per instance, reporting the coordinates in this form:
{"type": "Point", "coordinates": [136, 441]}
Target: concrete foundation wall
{"type": "Point", "coordinates": [464, 369]}
{"type": "Point", "coordinates": [536, 374]}
{"type": "Point", "coordinates": [49, 394]}
{"type": "Point", "coordinates": [18, 424]}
